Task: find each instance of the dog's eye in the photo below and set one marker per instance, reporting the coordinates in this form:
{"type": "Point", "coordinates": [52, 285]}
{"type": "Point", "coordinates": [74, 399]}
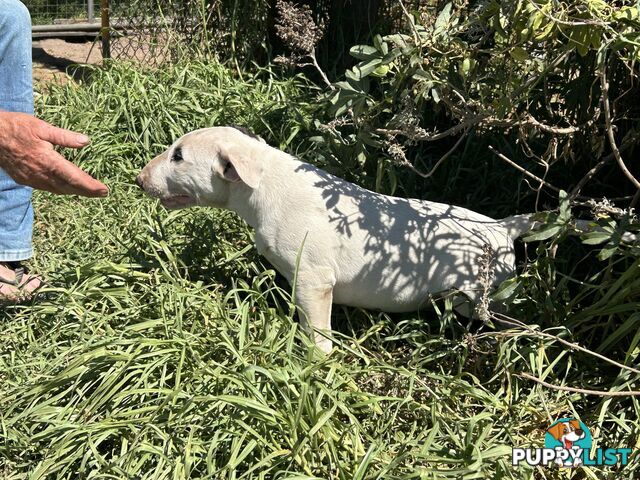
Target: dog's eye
{"type": "Point", "coordinates": [177, 155]}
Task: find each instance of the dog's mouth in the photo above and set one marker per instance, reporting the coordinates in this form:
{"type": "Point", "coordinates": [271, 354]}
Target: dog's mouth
{"type": "Point", "coordinates": [177, 201]}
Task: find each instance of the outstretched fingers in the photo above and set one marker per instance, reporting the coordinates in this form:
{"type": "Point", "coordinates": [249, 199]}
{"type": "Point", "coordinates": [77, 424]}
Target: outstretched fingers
{"type": "Point", "coordinates": [60, 136]}
{"type": "Point", "coordinates": [67, 179]}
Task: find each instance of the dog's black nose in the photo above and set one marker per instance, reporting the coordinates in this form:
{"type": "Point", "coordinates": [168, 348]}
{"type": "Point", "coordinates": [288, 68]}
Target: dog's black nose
{"type": "Point", "coordinates": [139, 181]}
{"type": "Point", "coordinates": [579, 432]}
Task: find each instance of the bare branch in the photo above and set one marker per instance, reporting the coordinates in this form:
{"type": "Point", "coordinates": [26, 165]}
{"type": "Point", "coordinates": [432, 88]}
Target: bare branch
{"type": "Point", "coordinates": [600, 393]}
{"type": "Point", "coordinates": [504, 319]}
{"type": "Point", "coordinates": [589, 175]}
{"type": "Point", "coordinates": [523, 170]}
{"type": "Point", "coordinates": [470, 122]}
{"type": "Point", "coordinates": [411, 21]}
{"type": "Point", "coordinates": [314, 62]}
{"type": "Point", "coordinates": [442, 159]}
{"type": "Point", "coordinates": [609, 126]}
{"type": "Point", "coordinates": [548, 128]}
{"type": "Point", "coordinates": [485, 120]}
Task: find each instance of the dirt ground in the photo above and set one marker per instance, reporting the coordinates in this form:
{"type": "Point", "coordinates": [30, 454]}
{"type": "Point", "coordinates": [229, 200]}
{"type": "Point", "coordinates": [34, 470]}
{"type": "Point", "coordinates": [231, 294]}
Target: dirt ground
{"type": "Point", "coordinates": [52, 57]}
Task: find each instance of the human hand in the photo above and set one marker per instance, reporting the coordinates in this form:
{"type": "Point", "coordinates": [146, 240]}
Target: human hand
{"type": "Point", "coordinates": [27, 155]}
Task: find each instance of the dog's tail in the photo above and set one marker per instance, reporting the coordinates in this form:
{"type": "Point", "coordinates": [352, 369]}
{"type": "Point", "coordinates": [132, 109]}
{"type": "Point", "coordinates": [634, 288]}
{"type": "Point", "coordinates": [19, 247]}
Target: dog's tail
{"type": "Point", "coordinates": [518, 225]}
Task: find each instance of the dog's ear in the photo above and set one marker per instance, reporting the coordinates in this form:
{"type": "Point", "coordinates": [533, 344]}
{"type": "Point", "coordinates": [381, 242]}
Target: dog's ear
{"type": "Point", "coordinates": [557, 430]}
{"type": "Point", "coordinates": [239, 165]}
{"type": "Point", "coordinates": [575, 424]}
{"type": "Point", "coordinates": [248, 133]}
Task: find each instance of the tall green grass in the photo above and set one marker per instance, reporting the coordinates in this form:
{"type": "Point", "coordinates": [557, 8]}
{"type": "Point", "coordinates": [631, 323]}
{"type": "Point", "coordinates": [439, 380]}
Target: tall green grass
{"type": "Point", "coordinates": [164, 347]}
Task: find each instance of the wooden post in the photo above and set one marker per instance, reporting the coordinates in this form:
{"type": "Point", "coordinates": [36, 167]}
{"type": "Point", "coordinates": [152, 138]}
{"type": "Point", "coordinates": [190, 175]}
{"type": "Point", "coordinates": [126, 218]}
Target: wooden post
{"type": "Point", "coordinates": [105, 31]}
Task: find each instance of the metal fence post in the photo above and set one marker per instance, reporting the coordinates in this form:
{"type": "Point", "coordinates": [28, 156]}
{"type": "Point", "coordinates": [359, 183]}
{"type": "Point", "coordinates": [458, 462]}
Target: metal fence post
{"type": "Point", "coordinates": [91, 14]}
{"type": "Point", "coordinates": [105, 30]}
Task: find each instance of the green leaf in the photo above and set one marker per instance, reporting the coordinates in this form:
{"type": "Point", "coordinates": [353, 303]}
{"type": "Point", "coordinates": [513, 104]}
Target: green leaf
{"type": "Point", "coordinates": [364, 52]}
{"type": "Point", "coordinates": [579, 39]}
{"type": "Point", "coordinates": [543, 234]}
{"type": "Point", "coordinates": [422, 75]}
{"type": "Point", "coordinates": [365, 68]}
{"type": "Point", "coordinates": [607, 253]}
{"type": "Point", "coordinates": [400, 39]}
{"type": "Point", "coordinates": [519, 54]}
{"type": "Point", "coordinates": [595, 238]}
{"type": "Point", "coordinates": [565, 207]}
{"type": "Point", "coordinates": [443, 18]}
{"type": "Point", "coordinates": [381, 71]}
{"type": "Point", "coordinates": [506, 289]}
{"type": "Point", "coordinates": [465, 67]}
{"type": "Point", "coordinates": [595, 37]}
{"type": "Point", "coordinates": [380, 44]}
{"type": "Point", "coordinates": [626, 13]}
{"type": "Point", "coordinates": [536, 21]}
{"type": "Point", "coordinates": [545, 32]}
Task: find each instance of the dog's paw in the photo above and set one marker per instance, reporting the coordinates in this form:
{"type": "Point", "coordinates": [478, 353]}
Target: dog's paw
{"type": "Point", "coordinates": [325, 345]}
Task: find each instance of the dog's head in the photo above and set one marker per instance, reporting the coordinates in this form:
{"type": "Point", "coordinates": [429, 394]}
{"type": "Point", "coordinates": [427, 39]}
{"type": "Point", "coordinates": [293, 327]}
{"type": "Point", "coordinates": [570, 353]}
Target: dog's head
{"type": "Point", "coordinates": [567, 432]}
{"type": "Point", "coordinates": [201, 167]}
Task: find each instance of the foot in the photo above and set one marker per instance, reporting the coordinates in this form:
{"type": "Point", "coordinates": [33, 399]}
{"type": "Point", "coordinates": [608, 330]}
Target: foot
{"type": "Point", "coordinates": [16, 285]}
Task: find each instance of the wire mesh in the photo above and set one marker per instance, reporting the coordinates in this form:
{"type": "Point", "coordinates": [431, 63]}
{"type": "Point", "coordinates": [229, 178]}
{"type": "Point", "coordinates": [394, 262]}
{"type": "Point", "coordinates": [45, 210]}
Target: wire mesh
{"type": "Point", "coordinates": [155, 31]}
{"type": "Point", "coordinates": [49, 12]}
{"type": "Point", "coordinates": [152, 32]}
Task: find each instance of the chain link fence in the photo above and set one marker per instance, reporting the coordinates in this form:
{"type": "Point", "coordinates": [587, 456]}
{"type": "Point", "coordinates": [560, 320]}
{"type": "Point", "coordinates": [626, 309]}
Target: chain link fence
{"type": "Point", "coordinates": [56, 12]}
{"type": "Point", "coordinates": [152, 32]}
{"type": "Point", "coordinates": [156, 31]}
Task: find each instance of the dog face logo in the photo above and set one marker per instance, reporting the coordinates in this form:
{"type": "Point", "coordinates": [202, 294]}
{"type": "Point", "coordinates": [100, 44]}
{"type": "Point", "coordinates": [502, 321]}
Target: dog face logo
{"type": "Point", "coordinates": [568, 443]}
{"type": "Point", "coordinates": [568, 434]}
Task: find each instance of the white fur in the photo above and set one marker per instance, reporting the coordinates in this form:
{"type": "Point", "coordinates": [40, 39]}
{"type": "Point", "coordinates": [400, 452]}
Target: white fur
{"type": "Point", "coordinates": [356, 247]}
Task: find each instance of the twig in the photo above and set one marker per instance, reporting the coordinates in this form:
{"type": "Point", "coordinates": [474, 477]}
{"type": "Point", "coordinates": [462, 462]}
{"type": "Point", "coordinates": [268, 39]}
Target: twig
{"type": "Point", "coordinates": [522, 169]}
{"type": "Point", "coordinates": [470, 122]}
{"type": "Point", "coordinates": [314, 62]}
{"type": "Point", "coordinates": [629, 393]}
{"type": "Point", "coordinates": [513, 322]}
{"type": "Point", "coordinates": [601, 207]}
{"type": "Point", "coordinates": [443, 158]}
{"type": "Point", "coordinates": [487, 121]}
{"type": "Point", "coordinates": [411, 22]}
{"type": "Point", "coordinates": [548, 128]}
{"type": "Point", "coordinates": [609, 127]}
{"type": "Point", "coordinates": [589, 175]}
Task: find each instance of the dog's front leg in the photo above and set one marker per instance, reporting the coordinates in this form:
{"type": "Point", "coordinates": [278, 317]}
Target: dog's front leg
{"type": "Point", "coordinates": [314, 303]}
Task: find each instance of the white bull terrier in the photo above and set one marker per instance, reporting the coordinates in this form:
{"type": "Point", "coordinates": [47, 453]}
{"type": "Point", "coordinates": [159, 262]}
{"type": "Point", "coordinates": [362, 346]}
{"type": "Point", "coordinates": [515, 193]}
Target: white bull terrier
{"type": "Point", "coordinates": [355, 247]}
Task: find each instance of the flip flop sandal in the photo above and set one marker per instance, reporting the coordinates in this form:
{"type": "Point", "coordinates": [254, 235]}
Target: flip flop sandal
{"type": "Point", "coordinates": [21, 288]}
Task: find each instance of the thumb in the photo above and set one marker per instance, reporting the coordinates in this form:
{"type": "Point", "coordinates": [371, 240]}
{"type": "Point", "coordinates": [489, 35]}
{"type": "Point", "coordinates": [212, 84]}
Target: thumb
{"type": "Point", "coordinates": [61, 137]}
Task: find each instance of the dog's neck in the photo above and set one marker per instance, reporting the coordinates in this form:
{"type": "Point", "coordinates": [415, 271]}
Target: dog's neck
{"type": "Point", "coordinates": [260, 206]}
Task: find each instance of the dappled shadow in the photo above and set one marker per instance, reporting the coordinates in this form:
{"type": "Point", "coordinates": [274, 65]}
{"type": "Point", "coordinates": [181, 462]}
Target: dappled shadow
{"type": "Point", "coordinates": [398, 246]}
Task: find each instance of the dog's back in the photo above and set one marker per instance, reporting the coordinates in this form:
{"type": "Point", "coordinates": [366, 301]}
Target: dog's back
{"type": "Point", "coordinates": [386, 253]}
